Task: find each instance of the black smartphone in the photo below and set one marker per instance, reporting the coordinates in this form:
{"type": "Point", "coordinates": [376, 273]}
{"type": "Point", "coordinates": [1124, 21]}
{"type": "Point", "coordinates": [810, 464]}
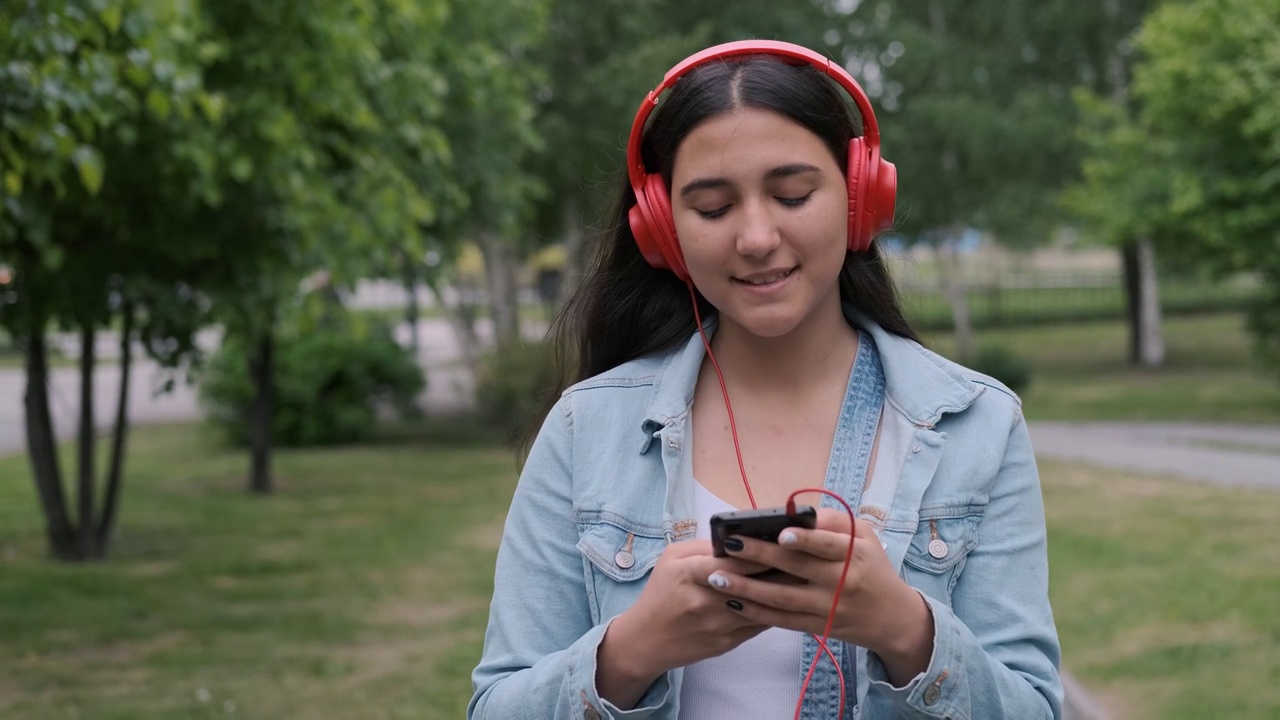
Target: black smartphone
{"type": "Point", "coordinates": [764, 524]}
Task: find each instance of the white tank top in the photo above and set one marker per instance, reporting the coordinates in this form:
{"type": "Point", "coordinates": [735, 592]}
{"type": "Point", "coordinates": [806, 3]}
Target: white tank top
{"type": "Point", "coordinates": [758, 679]}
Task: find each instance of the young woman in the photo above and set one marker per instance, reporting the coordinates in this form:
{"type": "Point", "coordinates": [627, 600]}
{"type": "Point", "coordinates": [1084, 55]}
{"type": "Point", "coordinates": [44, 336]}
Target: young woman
{"type": "Point", "coordinates": [752, 200]}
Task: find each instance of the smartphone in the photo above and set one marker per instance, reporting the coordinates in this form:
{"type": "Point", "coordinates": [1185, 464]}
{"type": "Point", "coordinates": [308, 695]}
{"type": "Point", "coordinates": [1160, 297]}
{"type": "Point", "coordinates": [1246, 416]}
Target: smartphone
{"type": "Point", "coordinates": [764, 524]}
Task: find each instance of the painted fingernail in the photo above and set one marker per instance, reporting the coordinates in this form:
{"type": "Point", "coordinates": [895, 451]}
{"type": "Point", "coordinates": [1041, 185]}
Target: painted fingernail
{"type": "Point", "coordinates": [732, 544]}
{"type": "Point", "coordinates": [718, 581]}
{"type": "Point", "coordinates": [734, 605]}
{"type": "Point", "coordinates": [787, 538]}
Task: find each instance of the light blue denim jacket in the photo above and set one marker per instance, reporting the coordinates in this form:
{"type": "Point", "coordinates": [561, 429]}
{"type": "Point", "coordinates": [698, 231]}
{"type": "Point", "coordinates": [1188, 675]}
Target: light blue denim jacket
{"type": "Point", "coordinates": [604, 476]}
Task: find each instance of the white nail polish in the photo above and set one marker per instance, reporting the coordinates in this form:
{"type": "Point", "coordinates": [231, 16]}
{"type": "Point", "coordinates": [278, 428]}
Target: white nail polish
{"type": "Point", "coordinates": [718, 581]}
{"type": "Point", "coordinates": [787, 538]}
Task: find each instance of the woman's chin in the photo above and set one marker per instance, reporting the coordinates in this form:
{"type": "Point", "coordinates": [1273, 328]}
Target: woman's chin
{"type": "Point", "coordinates": [768, 326]}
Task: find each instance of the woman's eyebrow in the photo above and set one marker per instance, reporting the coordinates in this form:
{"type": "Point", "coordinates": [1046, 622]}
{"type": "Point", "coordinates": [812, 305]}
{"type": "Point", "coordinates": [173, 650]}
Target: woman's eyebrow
{"type": "Point", "coordinates": [789, 170]}
{"type": "Point", "coordinates": [778, 172]}
{"type": "Point", "coordinates": [703, 184]}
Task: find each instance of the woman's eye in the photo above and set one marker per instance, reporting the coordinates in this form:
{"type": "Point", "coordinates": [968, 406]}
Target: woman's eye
{"type": "Point", "coordinates": [796, 201]}
{"type": "Point", "coordinates": [713, 214]}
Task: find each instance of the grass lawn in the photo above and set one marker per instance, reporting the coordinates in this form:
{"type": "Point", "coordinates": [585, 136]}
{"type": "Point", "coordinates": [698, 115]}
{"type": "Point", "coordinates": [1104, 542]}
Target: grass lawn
{"type": "Point", "coordinates": [1081, 372]}
{"type": "Point", "coordinates": [360, 590]}
{"type": "Point", "coordinates": [1166, 592]}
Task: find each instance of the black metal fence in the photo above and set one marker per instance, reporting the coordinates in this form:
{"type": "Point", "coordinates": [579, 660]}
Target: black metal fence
{"type": "Point", "coordinates": [1037, 298]}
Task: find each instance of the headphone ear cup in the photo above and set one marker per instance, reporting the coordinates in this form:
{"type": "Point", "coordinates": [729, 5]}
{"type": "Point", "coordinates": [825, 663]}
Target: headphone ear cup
{"type": "Point", "coordinates": [654, 228]}
{"type": "Point", "coordinates": [882, 196]}
{"type": "Point", "coordinates": [642, 230]}
{"type": "Point", "coordinates": [857, 182]}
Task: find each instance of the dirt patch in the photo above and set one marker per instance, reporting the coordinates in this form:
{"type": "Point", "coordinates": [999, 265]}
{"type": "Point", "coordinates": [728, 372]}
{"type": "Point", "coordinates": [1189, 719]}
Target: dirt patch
{"type": "Point", "coordinates": [422, 612]}
{"type": "Point", "coordinates": [10, 693]}
{"type": "Point", "coordinates": [1156, 636]}
{"type": "Point", "coordinates": [1120, 702]}
{"type": "Point", "coordinates": [485, 536]}
{"type": "Point", "coordinates": [225, 582]}
{"type": "Point", "coordinates": [150, 569]}
{"type": "Point", "coordinates": [376, 660]}
{"type": "Point", "coordinates": [128, 653]}
{"type": "Point", "coordinates": [424, 628]}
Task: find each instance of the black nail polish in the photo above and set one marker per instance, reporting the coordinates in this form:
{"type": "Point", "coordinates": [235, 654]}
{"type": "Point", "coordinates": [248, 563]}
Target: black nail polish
{"type": "Point", "coordinates": [733, 605]}
{"type": "Point", "coordinates": [732, 544]}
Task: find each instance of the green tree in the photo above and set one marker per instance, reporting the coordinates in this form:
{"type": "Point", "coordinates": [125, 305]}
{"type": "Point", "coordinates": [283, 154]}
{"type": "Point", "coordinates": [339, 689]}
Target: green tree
{"type": "Point", "coordinates": [489, 48]}
{"type": "Point", "coordinates": [312, 178]}
{"type": "Point", "coordinates": [1209, 89]}
{"type": "Point", "coordinates": [974, 110]}
{"type": "Point", "coordinates": [977, 112]}
{"type": "Point", "coordinates": [1123, 213]}
{"type": "Point", "coordinates": [104, 136]}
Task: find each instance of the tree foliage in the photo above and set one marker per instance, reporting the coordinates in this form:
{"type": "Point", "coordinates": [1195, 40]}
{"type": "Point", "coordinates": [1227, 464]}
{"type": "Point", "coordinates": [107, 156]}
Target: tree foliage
{"type": "Point", "coordinates": [104, 130]}
{"type": "Point", "coordinates": [179, 163]}
{"type": "Point", "coordinates": [1209, 83]}
{"type": "Point", "coordinates": [1192, 157]}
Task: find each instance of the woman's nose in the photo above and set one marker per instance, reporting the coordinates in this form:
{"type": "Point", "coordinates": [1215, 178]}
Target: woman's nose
{"type": "Point", "coordinates": [758, 232]}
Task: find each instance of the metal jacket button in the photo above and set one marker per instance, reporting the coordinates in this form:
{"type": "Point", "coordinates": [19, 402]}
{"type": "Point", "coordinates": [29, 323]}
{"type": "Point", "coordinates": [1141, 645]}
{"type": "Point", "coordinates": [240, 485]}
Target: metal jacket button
{"type": "Point", "coordinates": [591, 714]}
{"type": "Point", "coordinates": [624, 559]}
{"type": "Point", "coordinates": [938, 549]}
{"type": "Point", "coordinates": [931, 695]}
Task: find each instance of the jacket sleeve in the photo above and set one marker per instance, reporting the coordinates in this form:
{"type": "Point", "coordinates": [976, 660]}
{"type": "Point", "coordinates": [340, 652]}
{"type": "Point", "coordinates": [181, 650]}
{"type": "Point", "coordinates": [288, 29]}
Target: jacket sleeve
{"type": "Point", "coordinates": [995, 650]}
{"type": "Point", "coordinates": [539, 657]}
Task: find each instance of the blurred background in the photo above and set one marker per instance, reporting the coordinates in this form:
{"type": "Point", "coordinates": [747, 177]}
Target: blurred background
{"type": "Point", "coordinates": [274, 277]}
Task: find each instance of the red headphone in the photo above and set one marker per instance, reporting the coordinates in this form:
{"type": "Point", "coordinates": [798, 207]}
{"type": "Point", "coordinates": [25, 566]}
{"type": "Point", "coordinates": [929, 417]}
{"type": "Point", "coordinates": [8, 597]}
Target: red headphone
{"type": "Point", "coordinates": [872, 180]}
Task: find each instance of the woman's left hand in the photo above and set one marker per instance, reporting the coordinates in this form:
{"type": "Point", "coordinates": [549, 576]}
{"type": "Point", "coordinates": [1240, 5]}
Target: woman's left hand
{"type": "Point", "coordinates": [877, 609]}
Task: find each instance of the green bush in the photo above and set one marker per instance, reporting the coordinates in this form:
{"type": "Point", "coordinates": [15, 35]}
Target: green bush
{"type": "Point", "coordinates": [512, 384]}
{"type": "Point", "coordinates": [330, 383]}
{"type": "Point", "coordinates": [1004, 365]}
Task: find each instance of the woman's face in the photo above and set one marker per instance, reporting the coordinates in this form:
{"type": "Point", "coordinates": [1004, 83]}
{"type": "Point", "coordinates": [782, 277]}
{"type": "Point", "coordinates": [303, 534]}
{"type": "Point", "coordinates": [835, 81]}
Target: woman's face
{"type": "Point", "coordinates": [761, 210]}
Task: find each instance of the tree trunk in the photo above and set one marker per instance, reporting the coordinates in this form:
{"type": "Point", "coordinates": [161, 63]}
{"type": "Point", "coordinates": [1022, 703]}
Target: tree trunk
{"type": "Point", "coordinates": [1142, 304]}
{"type": "Point", "coordinates": [1132, 282]}
{"type": "Point", "coordinates": [954, 287]}
{"type": "Point", "coordinates": [947, 251]}
{"type": "Point", "coordinates": [115, 473]}
{"type": "Point", "coordinates": [1146, 345]}
{"type": "Point", "coordinates": [409, 275]}
{"type": "Point", "coordinates": [459, 322]}
{"type": "Point", "coordinates": [500, 276]}
{"type": "Point", "coordinates": [42, 448]}
{"type": "Point", "coordinates": [1150, 340]}
{"type": "Point", "coordinates": [87, 539]}
{"type": "Point", "coordinates": [261, 372]}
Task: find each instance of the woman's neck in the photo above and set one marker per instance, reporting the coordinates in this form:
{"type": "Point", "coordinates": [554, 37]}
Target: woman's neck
{"type": "Point", "coordinates": [814, 353]}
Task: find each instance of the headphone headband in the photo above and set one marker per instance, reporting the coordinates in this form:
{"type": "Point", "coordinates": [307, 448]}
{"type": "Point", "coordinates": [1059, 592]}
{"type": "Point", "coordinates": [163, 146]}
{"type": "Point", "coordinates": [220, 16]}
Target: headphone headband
{"type": "Point", "coordinates": [871, 180]}
{"type": "Point", "coordinates": [870, 130]}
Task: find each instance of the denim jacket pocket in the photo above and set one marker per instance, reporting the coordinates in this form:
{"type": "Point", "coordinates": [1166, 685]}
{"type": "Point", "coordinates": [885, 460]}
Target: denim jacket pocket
{"type": "Point", "coordinates": [937, 553]}
{"type": "Point", "coordinates": [617, 553]}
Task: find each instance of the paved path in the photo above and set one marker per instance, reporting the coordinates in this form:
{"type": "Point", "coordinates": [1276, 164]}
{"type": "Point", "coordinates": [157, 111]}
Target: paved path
{"type": "Point", "coordinates": [1234, 455]}
{"type": "Point", "coordinates": [448, 388]}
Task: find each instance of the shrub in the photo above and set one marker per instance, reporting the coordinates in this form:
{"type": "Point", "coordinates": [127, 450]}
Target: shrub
{"type": "Point", "coordinates": [511, 385]}
{"type": "Point", "coordinates": [330, 383]}
{"type": "Point", "coordinates": [1004, 365]}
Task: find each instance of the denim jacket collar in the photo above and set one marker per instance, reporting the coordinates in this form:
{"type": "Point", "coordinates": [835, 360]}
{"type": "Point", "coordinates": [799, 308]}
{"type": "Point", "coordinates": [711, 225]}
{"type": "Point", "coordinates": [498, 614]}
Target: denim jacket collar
{"type": "Point", "coordinates": [918, 383]}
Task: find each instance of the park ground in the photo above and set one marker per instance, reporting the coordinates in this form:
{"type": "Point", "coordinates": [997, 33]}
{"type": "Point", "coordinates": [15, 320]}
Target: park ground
{"type": "Point", "coordinates": [360, 588]}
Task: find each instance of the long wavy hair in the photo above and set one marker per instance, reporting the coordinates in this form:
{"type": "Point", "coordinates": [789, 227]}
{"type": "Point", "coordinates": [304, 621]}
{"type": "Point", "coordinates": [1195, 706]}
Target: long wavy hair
{"type": "Point", "coordinates": [623, 308]}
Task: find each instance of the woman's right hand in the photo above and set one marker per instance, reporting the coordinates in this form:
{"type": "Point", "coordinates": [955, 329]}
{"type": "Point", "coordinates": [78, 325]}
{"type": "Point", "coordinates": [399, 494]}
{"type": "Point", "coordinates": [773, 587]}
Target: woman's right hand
{"type": "Point", "coordinates": [678, 620]}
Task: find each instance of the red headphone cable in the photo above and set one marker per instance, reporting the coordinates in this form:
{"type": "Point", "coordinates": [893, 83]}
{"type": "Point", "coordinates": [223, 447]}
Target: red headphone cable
{"type": "Point", "coordinates": [791, 508]}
